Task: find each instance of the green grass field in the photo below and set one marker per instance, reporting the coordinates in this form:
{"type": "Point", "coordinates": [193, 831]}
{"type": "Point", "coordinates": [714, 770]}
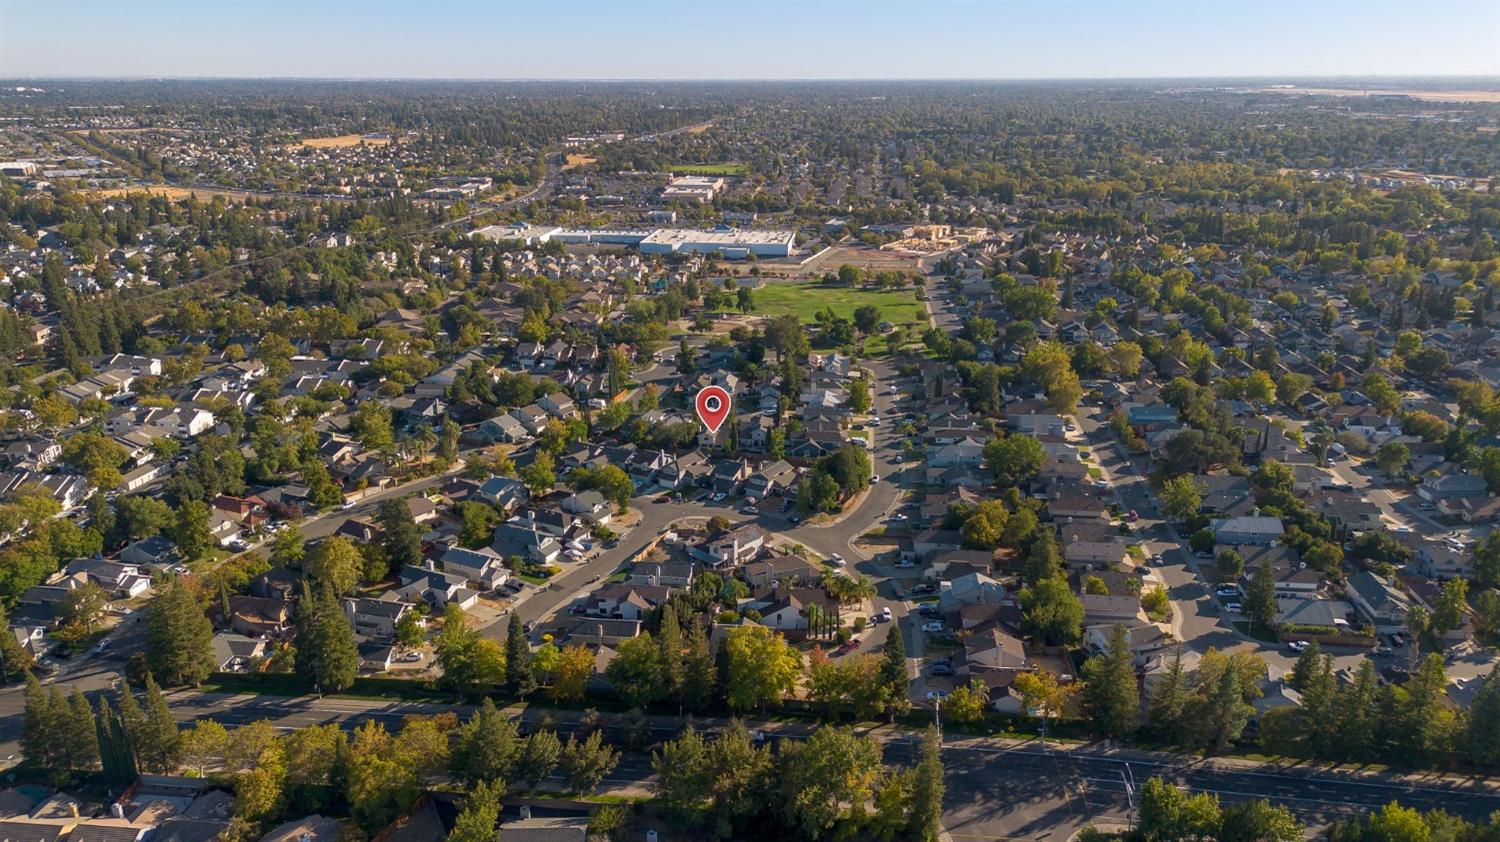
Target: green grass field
{"type": "Point", "coordinates": [804, 298]}
{"type": "Point", "coordinates": [708, 169]}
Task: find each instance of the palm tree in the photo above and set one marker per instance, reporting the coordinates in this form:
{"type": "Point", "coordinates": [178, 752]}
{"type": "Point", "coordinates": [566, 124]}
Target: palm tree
{"type": "Point", "coordinates": [849, 589]}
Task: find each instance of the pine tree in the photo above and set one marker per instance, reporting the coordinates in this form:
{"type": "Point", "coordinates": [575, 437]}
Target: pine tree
{"type": "Point", "coordinates": [403, 540]}
{"type": "Point", "coordinates": [82, 734]}
{"type": "Point", "coordinates": [927, 790]}
{"type": "Point", "coordinates": [41, 726]}
{"type": "Point", "coordinates": [486, 747]}
{"type": "Point", "coordinates": [700, 672]}
{"type": "Point", "coordinates": [1110, 695]}
{"type": "Point", "coordinates": [132, 722]}
{"type": "Point", "coordinates": [160, 742]}
{"type": "Point", "coordinates": [669, 645]}
{"type": "Point", "coordinates": [326, 650]}
{"type": "Point", "coordinates": [519, 675]}
{"type": "Point", "coordinates": [179, 637]}
{"type": "Point", "coordinates": [116, 756]}
{"type": "Point", "coordinates": [893, 673]}
{"type": "Point", "coordinates": [1168, 701]}
{"type": "Point", "coordinates": [1260, 598]}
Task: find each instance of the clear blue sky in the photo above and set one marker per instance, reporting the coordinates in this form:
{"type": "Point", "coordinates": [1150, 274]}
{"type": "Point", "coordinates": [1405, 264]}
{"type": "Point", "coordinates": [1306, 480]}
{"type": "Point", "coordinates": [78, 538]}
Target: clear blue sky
{"type": "Point", "coordinates": [749, 39]}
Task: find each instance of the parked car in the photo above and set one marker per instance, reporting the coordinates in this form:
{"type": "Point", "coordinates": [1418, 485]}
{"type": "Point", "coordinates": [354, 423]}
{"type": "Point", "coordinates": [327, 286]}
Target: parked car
{"type": "Point", "coordinates": [906, 564]}
{"type": "Point", "coordinates": [794, 519]}
{"type": "Point", "coordinates": [411, 657]}
{"type": "Point", "coordinates": [936, 695]}
{"type": "Point", "coordinates": [837, 560]}
{"type": "Point", "coordinates": [1297, 645]}
{"type": "Point", "coordinates": [1383, 651]}
{"type": "Point", "coordinates": [941, 668]}
{"type": "Point", "coordinates": [1234, 607]}
{"type": "Point", "coordinates": [885, 614]}
{"type": "Point", "coordinates": [933, 626]}
{"type": "Point", "coordinates": [1227, 590]}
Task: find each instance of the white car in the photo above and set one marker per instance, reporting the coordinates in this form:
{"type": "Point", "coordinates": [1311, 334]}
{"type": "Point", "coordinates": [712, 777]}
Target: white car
{"type": "Point", "coordinates": [750, 510]}
{"type": "Point", "coordinates": [899, 516]}
{"type": "Point", "coordinates": [1234, 608]}
{"type": "Point", "coordinates": [874, 478]}
{"type": "Point", "coordinates": [885, 614]}
{"type": "Point", "coordinates": [933, 626]}
{"type": "Point", "coordinates": [718, 495]}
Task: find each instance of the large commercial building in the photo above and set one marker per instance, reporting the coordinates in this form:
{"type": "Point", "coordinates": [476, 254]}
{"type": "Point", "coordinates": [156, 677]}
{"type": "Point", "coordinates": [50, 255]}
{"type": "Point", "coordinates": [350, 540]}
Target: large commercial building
{"type": "Point", "coordinates": [699, 189]}
{"type": "Point", "coordinates": [726, 242]}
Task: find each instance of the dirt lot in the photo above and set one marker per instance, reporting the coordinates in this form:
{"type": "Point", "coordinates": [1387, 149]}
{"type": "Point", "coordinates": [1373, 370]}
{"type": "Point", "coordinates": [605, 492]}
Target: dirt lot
{"type": "Point", "coordinates": [869, 259]}
{"type": "Point", "coordinates": [574, 161]}
{"type": "Point", "coordinates": [342, 141]}
{"type": "Point", "coordinates": [173, 193]}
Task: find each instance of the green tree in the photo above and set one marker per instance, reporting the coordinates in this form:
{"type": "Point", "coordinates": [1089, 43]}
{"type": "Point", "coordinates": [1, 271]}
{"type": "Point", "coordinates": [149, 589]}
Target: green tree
{"type": "Point", "coordinates": [538, 757]}
{"type": "Point", "coordinates": [191, 530]}
{"type": "Point", "coordinates": [818, 777]}
{"type": "Point", "coordinates": [326, 649]}
{"type": "Point", "coordinates": [1014, 459]}
{"type": "Point", "coordinates": [635, 671]}
{"type": "Point", "coordinates": [683, 776]}
{"type": "Point", "coordinates": [159, 743]}
{"type": "Point", "coordinates": [585, 763]}
{"type": "Point", "coordinates": [1392, 457]}
{"type": "Point", "coordinates": [1111, 698]}
{"type": "Point", "coordinates": [926, 813]}
{"type": "Point", "coordinates": [519, 676]}
{"type": "Point", "coordinates": [893, 673]}
{"type": "Point", "coordinates": [1167, 813]}
{"type": "Point", "coordinates": [762, 667]}
{"type": "Point", "coordinates": [1051, 611]}
{"type": "Point", "coordinates": [1181, 498]}
{"type": "Point", "coordinates": [486, 747]}
{"type": "Point", "coordinates": [469, 662]}
{"type": "Point", "coordinates": [179, 637]}
{"type": "Point", "coordinates": [402, 538]}
{"type": "Point", "coordinates": [1260, 597]}
{"type": "Point", "coordinates": [477, 821]}
{"type": "Point", "coordinates": [336, 564]}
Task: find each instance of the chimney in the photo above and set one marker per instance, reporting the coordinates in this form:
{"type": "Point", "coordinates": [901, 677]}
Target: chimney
{"type": "Point", "coordinates": [525, 811]}
{"type": "Point", "coordinates": [117, 810]}
{"type": "Point", "coordinates": [73, 809]}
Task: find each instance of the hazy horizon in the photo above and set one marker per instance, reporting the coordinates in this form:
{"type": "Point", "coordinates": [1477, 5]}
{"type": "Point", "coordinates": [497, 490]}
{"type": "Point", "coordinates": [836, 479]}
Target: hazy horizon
{"type": "Point", "coordinates": [771, 40]}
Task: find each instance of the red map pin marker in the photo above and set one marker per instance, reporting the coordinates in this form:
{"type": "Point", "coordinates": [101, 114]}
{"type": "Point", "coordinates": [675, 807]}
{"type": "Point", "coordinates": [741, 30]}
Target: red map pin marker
{"type": "Point", "coordinates": [712, 405]}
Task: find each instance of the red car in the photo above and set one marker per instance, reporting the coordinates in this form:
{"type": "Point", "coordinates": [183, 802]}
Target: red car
{"type": "Point", "coordinates": [1132, 517]}
{"type": "Point", "coordinates": [850, 646]}
{"type": "Point", "coordinates": [665, 498]}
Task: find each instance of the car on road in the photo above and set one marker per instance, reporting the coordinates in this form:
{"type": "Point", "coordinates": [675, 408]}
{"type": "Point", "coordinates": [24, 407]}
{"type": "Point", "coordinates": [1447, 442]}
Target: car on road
{"type": "Point", "coordinates": [874, 478]}
{"type": "Point", "coordinates": [102, 646]}
{"type": "Point", "coordinates": [794, 519]}
{"type": "Point", "coordinates": [1383, 651]}
{"type": "Point", "coordinates": [1234, 607]}
{"type": "Point", "coordinates": [718, 496]}
{"type": "Point", "coordinates": [1297, 645]}
{"type": "Point", "coordinates": [530, 627]}
{"type": "Point", "coordinates": [885, 614]}
{"type": "Point", "coordinates": [850, 645]}
{"type": "Point", "coordinates": [933, 626]}
{"type": "Point", "coordinates": [898, 459]}
{"type": "Point", "coordinates": [936, 695]}
{"type": "Point", "coordinates": [874, 422]}
{"type": "Point", "coordinates": [750, 510]}
{"type": "Point", "coordinates": [941, 668]}
{"type": "Point", "coordinates": [837, 560]}
{"type": "Point", "coordinates": [665, 498]}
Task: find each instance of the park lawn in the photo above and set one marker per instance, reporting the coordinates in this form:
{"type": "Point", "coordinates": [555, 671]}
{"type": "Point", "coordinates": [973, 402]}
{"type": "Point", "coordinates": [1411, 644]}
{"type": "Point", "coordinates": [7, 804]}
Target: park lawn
{"type": "Point", "coordinates": [805, 298]}
{"type": "Point", "coordinates": [708, 169]}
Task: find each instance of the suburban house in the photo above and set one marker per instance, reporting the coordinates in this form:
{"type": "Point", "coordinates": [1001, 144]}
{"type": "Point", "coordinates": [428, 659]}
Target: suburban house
{"type": "Point", "coordinates": [1248, 529]}
{"type": "Point", "coordinates": [483, 568]}
{"type": "Point", "coordinates": [1380, 601]}
{"type": "Point", "coordinates": [376, 618]}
